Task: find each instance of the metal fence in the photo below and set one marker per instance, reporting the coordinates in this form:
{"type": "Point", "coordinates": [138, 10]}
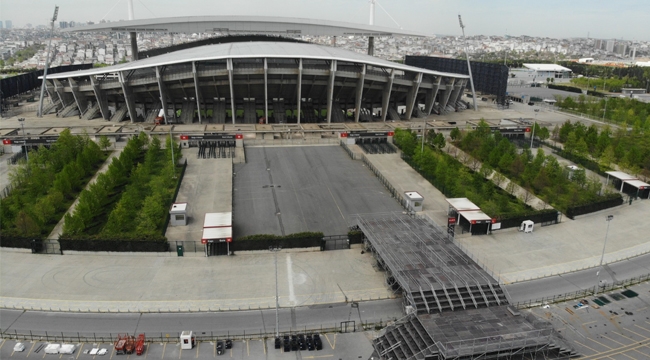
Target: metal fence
{"type": "Point", "coordinates": [582, 293]}
{"type": "Point", "coordinates": [396, 194]}
{"type": "Point", "coordinates": [162, 337]}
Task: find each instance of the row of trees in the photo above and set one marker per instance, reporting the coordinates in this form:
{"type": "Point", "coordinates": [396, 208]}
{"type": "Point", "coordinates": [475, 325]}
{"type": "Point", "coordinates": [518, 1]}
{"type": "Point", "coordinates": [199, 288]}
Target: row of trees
{"type": "Point", "coordinates": [630, 150]}
{"type": "Point", "coordinates": [541, 174]}
{"type": "Point", "coordinates": [455, 180]}
{"type": "Point", "coordinates": [130, 200]}
{"type": "Point", "coordinates": [624, 111]}
{"type": "Point", "coordinates": [46, 185]}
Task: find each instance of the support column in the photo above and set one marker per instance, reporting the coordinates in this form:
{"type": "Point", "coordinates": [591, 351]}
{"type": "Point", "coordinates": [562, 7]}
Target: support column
{"type": "Point", "coordinates": [134, 46]}
{"type": "Point", "coordinates": [79, 98]}
{"type": "Point", "coordinates": [359, 95]}
{"type": "Point", "coordinates": [58, 89]}
{"type": "Point", "coordinates": [266, 91]}
{"type": "Point", "coordinates": [447, 93]}
{"type": "Point", "coordinates": [232, 89]}
{"type": "Point", "coordinates": [412, 96]}
{"type": "Point", "coordinates": [163, 92]}
{"type": "Point", "coordinates": [199, 97]}
{"type": "Point", "coordinates": [463, 85]}
{"type": "Point", "coordinates": [299, 89]}
{"type": "Point", "coordinates": [128, 96]}
{"type": "Point", "coordinates": [455, 92]}
{"type": "Point", "coordinates": [385, 97]}
{"type": "Point", "coordinates": [100, 95]}
{"type": "Point", "coordinates": [330, 91]}
{"type": "Point", "coordinates": [371, 45]}
{"type": "Point", "coordinates": [431, 96]}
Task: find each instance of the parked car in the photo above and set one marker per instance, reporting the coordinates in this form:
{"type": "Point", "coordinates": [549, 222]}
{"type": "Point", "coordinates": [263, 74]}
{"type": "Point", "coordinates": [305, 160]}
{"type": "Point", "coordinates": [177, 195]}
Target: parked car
{"type": "Point", "coordinates": [19, 347]}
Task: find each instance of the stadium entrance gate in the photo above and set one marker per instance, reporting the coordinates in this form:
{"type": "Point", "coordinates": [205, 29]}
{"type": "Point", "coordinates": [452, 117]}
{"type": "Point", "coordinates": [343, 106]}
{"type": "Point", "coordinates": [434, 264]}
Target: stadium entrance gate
{"type": "Point", "coordinates": [212, 145]}
{"type": "Point", "coordinates": [373, 142]}
{"type": "Point", "coordinates": [216, 248]}
{"type": "Point", "coordinates": [335, 242]}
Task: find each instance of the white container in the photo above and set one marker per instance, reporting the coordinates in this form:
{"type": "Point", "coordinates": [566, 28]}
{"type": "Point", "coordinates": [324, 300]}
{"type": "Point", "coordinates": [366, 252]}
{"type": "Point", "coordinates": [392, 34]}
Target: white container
{"type": "Point", "coordinates": [187, 340]}
{"type": "Point", "coordinates": [52, 348]}
{"type": "Point", "coordinates": [67, 349]}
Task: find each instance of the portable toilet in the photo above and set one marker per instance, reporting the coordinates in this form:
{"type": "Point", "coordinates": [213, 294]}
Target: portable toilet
{"type": "Point", "coordinates": [178, 214]}
{"type": "Point", "coordinates": [527, 226]}
{"type": "Point", "coordinates": [413, 200]}
{"type": "Point", "coordinates": [187, 340]}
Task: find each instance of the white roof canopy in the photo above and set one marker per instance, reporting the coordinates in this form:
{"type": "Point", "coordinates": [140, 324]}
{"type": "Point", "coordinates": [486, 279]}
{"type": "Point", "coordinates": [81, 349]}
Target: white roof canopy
{"type": "Point", "coordinates": [462, 204]}
{"type": "Point", "coordinates": [475, 216]}
{"type": "Point", "coordinates": [217, 220]}
{"type": "Point", "coordinates": [638, 184]}
{"type": "Point", "coordinates": [547, 67]}
{"type": "Point", "coordinates": [218, 233]}
{"type": "Point", "coordinates": [620, 175]}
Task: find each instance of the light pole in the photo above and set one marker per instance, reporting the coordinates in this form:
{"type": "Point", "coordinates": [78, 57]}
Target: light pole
{"type": "Point", "coordinates": [532, 134]}
{"type": "Point", "coordinates": [47, 62]}
{"type": "Point", "coordinates": [22, 125]}
{"type": "Point", "coordinates": [469, 68]}
{"type": "Point", "coordinates": [171, 144]}
{"type": "Point", "coordinates": [276, 249]}
{"type": "Point", "coordinates": [602, 257]}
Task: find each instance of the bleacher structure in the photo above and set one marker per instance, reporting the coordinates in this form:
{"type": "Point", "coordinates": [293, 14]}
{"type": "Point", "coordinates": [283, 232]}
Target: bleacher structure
{"type": "Point", "coordinates": [456, 310]}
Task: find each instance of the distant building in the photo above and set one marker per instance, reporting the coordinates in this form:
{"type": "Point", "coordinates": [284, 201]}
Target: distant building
{"type": "Point", "coordinates": [8, 24]}
{"type": "Point", "coordinates": [586, 60]}
{"type": "Point", "coordinates": [610, 45]}
{"type": "Point", "coordinates": [1, 25]}
{"type": "Point", "coordinates": [63, 24]}
{"type": "Point", "coordinates": [620, 49]}
{"type": "Point", "coordinates": [538, 73]}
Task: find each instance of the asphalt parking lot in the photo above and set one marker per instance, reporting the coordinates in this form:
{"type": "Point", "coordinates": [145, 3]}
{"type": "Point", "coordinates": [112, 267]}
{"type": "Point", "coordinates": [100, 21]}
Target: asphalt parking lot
{"type": "Point", "coordinates": [617, 329]}
{"type": "Point", "coordinates": [353, 345]}
{"type": "Point", "coordinates": [285, 190]}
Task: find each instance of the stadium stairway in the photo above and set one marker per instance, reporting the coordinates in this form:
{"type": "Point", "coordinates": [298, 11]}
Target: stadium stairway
{"type": "Point", "coordinates": [337, 113]}
{"type": "Point", "coordinates": [393, 114]}
{"type": "Point", "coordinates": [279, 114]}
{"type": "Point", "coordinates": [120, 114]}
{"type": "Point", "coordinates": [91, 112]}
{"type": "Point", "coordinates": [69, 110]}
{"type": "Point", "coordinates": [219, 112]}
{"type": "Point", "coordinates": [406, 339]}
{"type": "Point", "coordinates": [152, 114]}
{"type": "Point", "coordinates": [250, 114]}
{"type": "Point", "coordinates": [187, 112]}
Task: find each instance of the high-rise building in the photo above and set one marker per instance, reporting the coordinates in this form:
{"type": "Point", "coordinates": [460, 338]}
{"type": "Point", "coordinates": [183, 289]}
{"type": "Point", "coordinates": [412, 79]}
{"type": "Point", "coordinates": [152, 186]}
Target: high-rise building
{"type": "Point", "coordinates": [8, 24]}
{"type": "Point", "coordinates": [1, 24]}
{"type": "Point", "coordinates": [610, 45]}
{"type": "Point", "coordinates": [63, 24]}
{"type": "Point", "coordinates": [620, 49]}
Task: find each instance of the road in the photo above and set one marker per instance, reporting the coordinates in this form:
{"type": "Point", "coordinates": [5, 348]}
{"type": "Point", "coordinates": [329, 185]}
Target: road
{"type": "Point", "coordinates": [210, 323]}
{"type": "Point", "coordinates": [580, 280]}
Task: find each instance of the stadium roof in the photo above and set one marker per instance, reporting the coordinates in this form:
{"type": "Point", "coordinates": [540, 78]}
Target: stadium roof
{"type": "Point", "coordinates": [248, 25]}
{"type": "Point", "coordinates": [546, 67]}
{"type": "Point", "coordinates": [253, 50]}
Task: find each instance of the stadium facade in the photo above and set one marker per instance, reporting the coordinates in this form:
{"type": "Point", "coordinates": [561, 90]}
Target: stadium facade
{"type": "Point", "coordinates": [245, 82]}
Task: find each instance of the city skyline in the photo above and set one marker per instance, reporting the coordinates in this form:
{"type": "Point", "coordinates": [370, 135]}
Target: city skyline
{"type": "Point", "coordinates": [555, 19]}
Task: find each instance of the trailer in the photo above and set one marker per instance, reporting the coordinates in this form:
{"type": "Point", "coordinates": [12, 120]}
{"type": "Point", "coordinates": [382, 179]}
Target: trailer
{"type": "Point", "coordinates": [139, 345]}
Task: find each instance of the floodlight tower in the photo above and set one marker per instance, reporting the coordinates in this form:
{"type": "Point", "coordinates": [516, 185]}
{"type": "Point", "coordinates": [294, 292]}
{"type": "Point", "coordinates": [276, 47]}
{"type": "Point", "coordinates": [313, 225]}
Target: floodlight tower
{"type": "Point", "coordinates": [469, 68]}
{"type": "Point", "coordinates": [371, 39]}
{"type": "Point", "coordinates": [47, 61]}
{"type": "Point", "coordinates": [133, 35]}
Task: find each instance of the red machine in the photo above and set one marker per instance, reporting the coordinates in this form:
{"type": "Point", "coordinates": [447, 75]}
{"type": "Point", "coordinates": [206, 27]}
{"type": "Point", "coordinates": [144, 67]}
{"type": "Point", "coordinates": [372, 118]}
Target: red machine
{"type": "Point", "coordinates": [124, 345]}
{"type": "Point", "coordinates": [139, 345]}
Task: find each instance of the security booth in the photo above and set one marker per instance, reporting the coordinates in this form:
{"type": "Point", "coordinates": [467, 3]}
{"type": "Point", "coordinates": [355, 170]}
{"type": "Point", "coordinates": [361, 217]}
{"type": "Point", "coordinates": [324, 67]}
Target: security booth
{"type": "Point", "coordinates": [178, 214]}
{"type": "Point", "coordinates": [527, 226]}
{"type": "Point", "coordinates": [413, 200]}
{"type": "Point", "coordinates": [217, 240]}
{"type": "Point", "coordinates": [188, 340]}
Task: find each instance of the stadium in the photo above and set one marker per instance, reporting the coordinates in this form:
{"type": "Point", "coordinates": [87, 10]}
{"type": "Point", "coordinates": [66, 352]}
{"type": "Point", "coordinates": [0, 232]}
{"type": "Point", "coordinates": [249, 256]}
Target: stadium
{"type": "Point", "coordinates": [280, 80]}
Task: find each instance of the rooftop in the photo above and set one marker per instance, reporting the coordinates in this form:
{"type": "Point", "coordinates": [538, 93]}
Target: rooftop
{"type": "Point", "coordinates": [547, 67]}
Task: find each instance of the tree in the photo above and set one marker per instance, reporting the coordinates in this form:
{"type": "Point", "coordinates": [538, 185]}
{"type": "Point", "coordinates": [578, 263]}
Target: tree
{"type": "Point", "coordinates": [455, 134]}
{"type": "Point", "coordinates": [543, 134]}
{"type": "Point", "coordinates": [104, 142]}
{"type": "Point", "coordinates": [498, 178]}
{"type": "Point", "coordinates": [439, 141]}
{"type": "Point", "coordinates": [25, 225]}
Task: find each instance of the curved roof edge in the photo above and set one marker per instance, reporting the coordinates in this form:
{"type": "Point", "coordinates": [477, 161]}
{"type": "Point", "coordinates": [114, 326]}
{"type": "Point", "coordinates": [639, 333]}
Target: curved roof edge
{"type": "Point", "coordinates": [253, 50]}
{"type": "Point", "coordinates": [248, 24]}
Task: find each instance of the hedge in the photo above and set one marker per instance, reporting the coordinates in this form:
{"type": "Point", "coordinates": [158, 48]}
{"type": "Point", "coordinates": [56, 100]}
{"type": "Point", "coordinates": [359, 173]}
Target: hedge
{"type": "Point", "coordinates": [145, 243]}
{"type": "Point", "coordinates": [565, 88]}
{"type": "Point", "coordinates": [265, 241]}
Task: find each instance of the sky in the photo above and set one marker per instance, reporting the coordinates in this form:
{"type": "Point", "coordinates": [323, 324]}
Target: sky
{"type": "Point", "coordinates": [620, 19]}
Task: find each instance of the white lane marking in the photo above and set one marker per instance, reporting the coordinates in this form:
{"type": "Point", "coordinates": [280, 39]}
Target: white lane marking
{"type": "Point", "coordinates": [292, 295]}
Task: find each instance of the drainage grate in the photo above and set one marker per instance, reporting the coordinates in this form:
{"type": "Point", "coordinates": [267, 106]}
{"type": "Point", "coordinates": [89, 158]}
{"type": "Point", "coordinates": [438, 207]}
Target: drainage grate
{"type": "Point", "coordinates": [630, 293]}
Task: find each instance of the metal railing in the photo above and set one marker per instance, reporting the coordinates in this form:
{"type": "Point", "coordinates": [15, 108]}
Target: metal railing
{"type": "Point", "coordinates": [582, 293]}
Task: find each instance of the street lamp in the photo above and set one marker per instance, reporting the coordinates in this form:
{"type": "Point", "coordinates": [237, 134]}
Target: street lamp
{"type": "Point", "coordinates": [22, 125]}
{"type": "Point", "coordinates": [602, 257]}
{"type": "Point", "coordinates": [276, 249]}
